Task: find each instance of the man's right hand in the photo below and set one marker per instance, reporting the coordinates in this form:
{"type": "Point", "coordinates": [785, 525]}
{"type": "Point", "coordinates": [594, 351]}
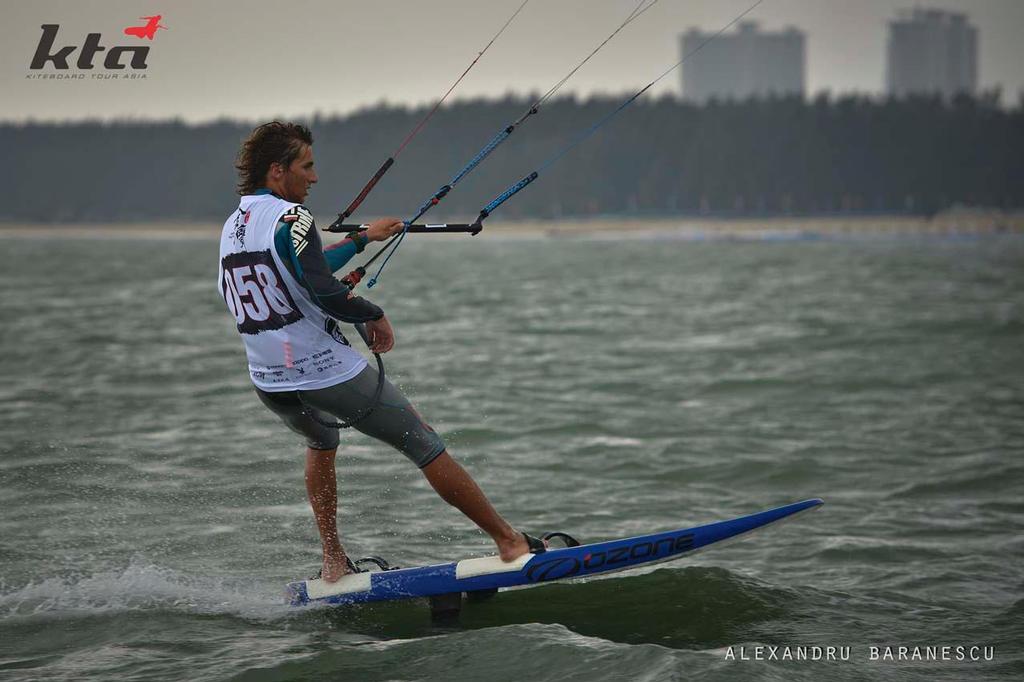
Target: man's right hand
{"type": "Point", "coordinates": [381, 335]}
{"type": "Point", "coordinates": [384, 228]}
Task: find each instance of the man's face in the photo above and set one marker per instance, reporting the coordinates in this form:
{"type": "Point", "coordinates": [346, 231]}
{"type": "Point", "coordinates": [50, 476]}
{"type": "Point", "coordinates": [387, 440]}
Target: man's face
{"type": "Point", "coordinates": [299, 176]}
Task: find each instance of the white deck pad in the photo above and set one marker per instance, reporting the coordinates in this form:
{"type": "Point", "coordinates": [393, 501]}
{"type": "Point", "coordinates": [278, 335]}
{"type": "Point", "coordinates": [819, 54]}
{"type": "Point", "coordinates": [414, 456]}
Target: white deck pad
{"type": "Point", "coordinates": [347, 584]}
{"type": "Point", "coordinates": [470, 568]}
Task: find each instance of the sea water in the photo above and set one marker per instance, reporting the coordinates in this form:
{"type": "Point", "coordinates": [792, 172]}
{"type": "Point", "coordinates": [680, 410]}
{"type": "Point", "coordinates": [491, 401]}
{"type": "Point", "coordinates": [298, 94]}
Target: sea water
{"type": "Point", "coordinates": [606, 386]}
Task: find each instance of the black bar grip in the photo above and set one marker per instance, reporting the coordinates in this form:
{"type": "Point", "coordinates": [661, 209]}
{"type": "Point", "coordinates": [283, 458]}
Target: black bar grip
{"type": "Point", "coordinates": [450, 228]}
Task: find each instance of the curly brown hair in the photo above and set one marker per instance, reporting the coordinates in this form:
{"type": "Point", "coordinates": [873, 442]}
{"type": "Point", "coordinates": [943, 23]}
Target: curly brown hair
{"type": "Point", "coordinates": [274, 142]}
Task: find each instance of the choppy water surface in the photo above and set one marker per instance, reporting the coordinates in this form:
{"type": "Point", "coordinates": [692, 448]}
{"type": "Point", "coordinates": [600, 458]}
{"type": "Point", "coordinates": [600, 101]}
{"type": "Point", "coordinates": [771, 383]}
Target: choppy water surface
{"type": "Point", "coordinates": [153, 509]}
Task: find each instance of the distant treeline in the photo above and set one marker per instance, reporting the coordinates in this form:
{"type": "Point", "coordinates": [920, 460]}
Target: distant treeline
{"type": "Point", "coordinates": [660, 157]}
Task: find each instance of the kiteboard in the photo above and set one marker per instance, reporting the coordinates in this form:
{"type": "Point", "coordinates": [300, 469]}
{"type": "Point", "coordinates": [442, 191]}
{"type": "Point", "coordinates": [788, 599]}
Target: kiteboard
{"type": "Point", "coordinates": [487, 575]}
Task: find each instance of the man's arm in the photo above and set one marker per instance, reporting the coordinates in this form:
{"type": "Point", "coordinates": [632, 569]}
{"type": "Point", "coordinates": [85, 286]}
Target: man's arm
{"type": "Point", "coordinates": [340, 253]}
{"type": "Point", "coordinates": [298, 245]}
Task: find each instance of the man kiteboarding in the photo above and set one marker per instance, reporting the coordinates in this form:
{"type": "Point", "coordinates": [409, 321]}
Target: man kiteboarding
{"type": "Point", "coordinates": [276, 278]}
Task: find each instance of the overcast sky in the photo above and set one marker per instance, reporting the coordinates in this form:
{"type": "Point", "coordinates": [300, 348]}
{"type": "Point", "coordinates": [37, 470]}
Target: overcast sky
{"type": "Point", "coordinates": [253, 59]}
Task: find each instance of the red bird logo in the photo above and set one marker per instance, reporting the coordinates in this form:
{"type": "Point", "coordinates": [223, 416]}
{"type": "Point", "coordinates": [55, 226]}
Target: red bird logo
{"type": "Point", "coordinates": [148, 30]}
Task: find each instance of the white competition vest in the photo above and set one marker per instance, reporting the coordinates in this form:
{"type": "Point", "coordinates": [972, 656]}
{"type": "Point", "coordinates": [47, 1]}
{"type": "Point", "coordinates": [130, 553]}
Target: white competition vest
{"type": "Point", "coordinates": [291, 343]}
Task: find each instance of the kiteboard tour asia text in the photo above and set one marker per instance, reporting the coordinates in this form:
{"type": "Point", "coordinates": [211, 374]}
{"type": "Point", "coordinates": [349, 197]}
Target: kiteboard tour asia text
{"type": "Point", "coordinates": [56, 59]}
{"type": "Point", "coordinates": [83, 76]}
{"type": "Point", "coordinates": [871, 653]}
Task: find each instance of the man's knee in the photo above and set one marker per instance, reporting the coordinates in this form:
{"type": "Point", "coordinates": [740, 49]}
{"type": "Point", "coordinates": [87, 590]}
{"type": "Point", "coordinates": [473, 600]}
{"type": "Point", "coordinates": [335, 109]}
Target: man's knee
{"type": "Point", "coordinates": [434, 461]}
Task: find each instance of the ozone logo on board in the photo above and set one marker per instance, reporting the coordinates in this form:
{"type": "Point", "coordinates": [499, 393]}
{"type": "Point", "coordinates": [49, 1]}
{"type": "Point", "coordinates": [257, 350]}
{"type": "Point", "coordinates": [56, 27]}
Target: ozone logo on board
{"type": "Point", "coordinates": [53, 54]}
{"type": "Point", "coordinates": [558, 567]}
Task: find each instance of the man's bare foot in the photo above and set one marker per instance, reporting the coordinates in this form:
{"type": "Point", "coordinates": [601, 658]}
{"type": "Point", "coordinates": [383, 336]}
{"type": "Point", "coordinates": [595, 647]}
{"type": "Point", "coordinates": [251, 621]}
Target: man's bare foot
{"type": "Point", "coordinates": [335, 566]}
{"type": "Point", "coordinates": [513, 547]}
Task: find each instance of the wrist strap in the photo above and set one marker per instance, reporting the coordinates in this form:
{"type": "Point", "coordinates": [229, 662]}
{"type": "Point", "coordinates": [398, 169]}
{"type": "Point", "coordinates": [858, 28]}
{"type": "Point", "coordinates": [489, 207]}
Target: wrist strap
{"type": "Point", "coordinates": [360, 239]}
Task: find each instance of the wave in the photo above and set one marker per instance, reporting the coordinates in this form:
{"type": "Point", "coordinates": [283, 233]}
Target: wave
{"type": "Point", "coordinates": [142, 586]}
{"type": "Point", "coordinates": [678, 608]}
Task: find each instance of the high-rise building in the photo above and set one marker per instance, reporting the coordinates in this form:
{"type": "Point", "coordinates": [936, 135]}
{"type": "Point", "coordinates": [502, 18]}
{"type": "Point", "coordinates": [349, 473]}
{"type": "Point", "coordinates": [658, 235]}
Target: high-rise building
{"type": "Point", "coordinates": [743, 64]}
{"type": "Point", "coordinates": [932, 52]}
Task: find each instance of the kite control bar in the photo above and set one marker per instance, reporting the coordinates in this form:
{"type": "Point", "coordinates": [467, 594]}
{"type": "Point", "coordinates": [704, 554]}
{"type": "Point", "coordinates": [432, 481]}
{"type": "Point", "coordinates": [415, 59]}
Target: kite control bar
{"type": "Point", "coordinates": [469, 228]}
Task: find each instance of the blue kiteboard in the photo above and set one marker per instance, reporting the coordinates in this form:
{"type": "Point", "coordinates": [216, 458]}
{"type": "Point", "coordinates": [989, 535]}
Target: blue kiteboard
{"type": "Point", "coordinates": [489, 574]}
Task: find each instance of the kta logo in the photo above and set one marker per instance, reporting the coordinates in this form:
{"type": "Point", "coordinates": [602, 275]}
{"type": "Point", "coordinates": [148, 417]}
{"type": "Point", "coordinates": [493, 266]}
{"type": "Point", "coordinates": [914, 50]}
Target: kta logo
{"type": "Point", "coordinates": [138, 53]}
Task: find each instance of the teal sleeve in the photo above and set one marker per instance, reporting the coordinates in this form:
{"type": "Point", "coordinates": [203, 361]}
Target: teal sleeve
{"type": "Point", "coordinates": [340, 254]}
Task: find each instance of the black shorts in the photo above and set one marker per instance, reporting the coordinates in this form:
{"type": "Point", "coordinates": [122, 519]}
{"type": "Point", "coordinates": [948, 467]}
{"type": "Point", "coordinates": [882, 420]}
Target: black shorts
{"type": "Point", "coordinates": [394, 420]}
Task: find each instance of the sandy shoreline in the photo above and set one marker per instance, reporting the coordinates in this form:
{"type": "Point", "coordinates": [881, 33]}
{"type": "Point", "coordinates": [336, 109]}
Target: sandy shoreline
{"type": "Point", "coordinates": [698, 228]}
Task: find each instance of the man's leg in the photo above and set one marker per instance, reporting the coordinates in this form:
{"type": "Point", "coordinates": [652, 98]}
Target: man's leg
{"type": "Point", "coordinates": [322, 488]}
{"type": "Point", "coordinates": [321, 481]}
{"type": "Point", "coordinates": [457, 488]}
{"type": "Point", "coordinates": [395, 421]}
